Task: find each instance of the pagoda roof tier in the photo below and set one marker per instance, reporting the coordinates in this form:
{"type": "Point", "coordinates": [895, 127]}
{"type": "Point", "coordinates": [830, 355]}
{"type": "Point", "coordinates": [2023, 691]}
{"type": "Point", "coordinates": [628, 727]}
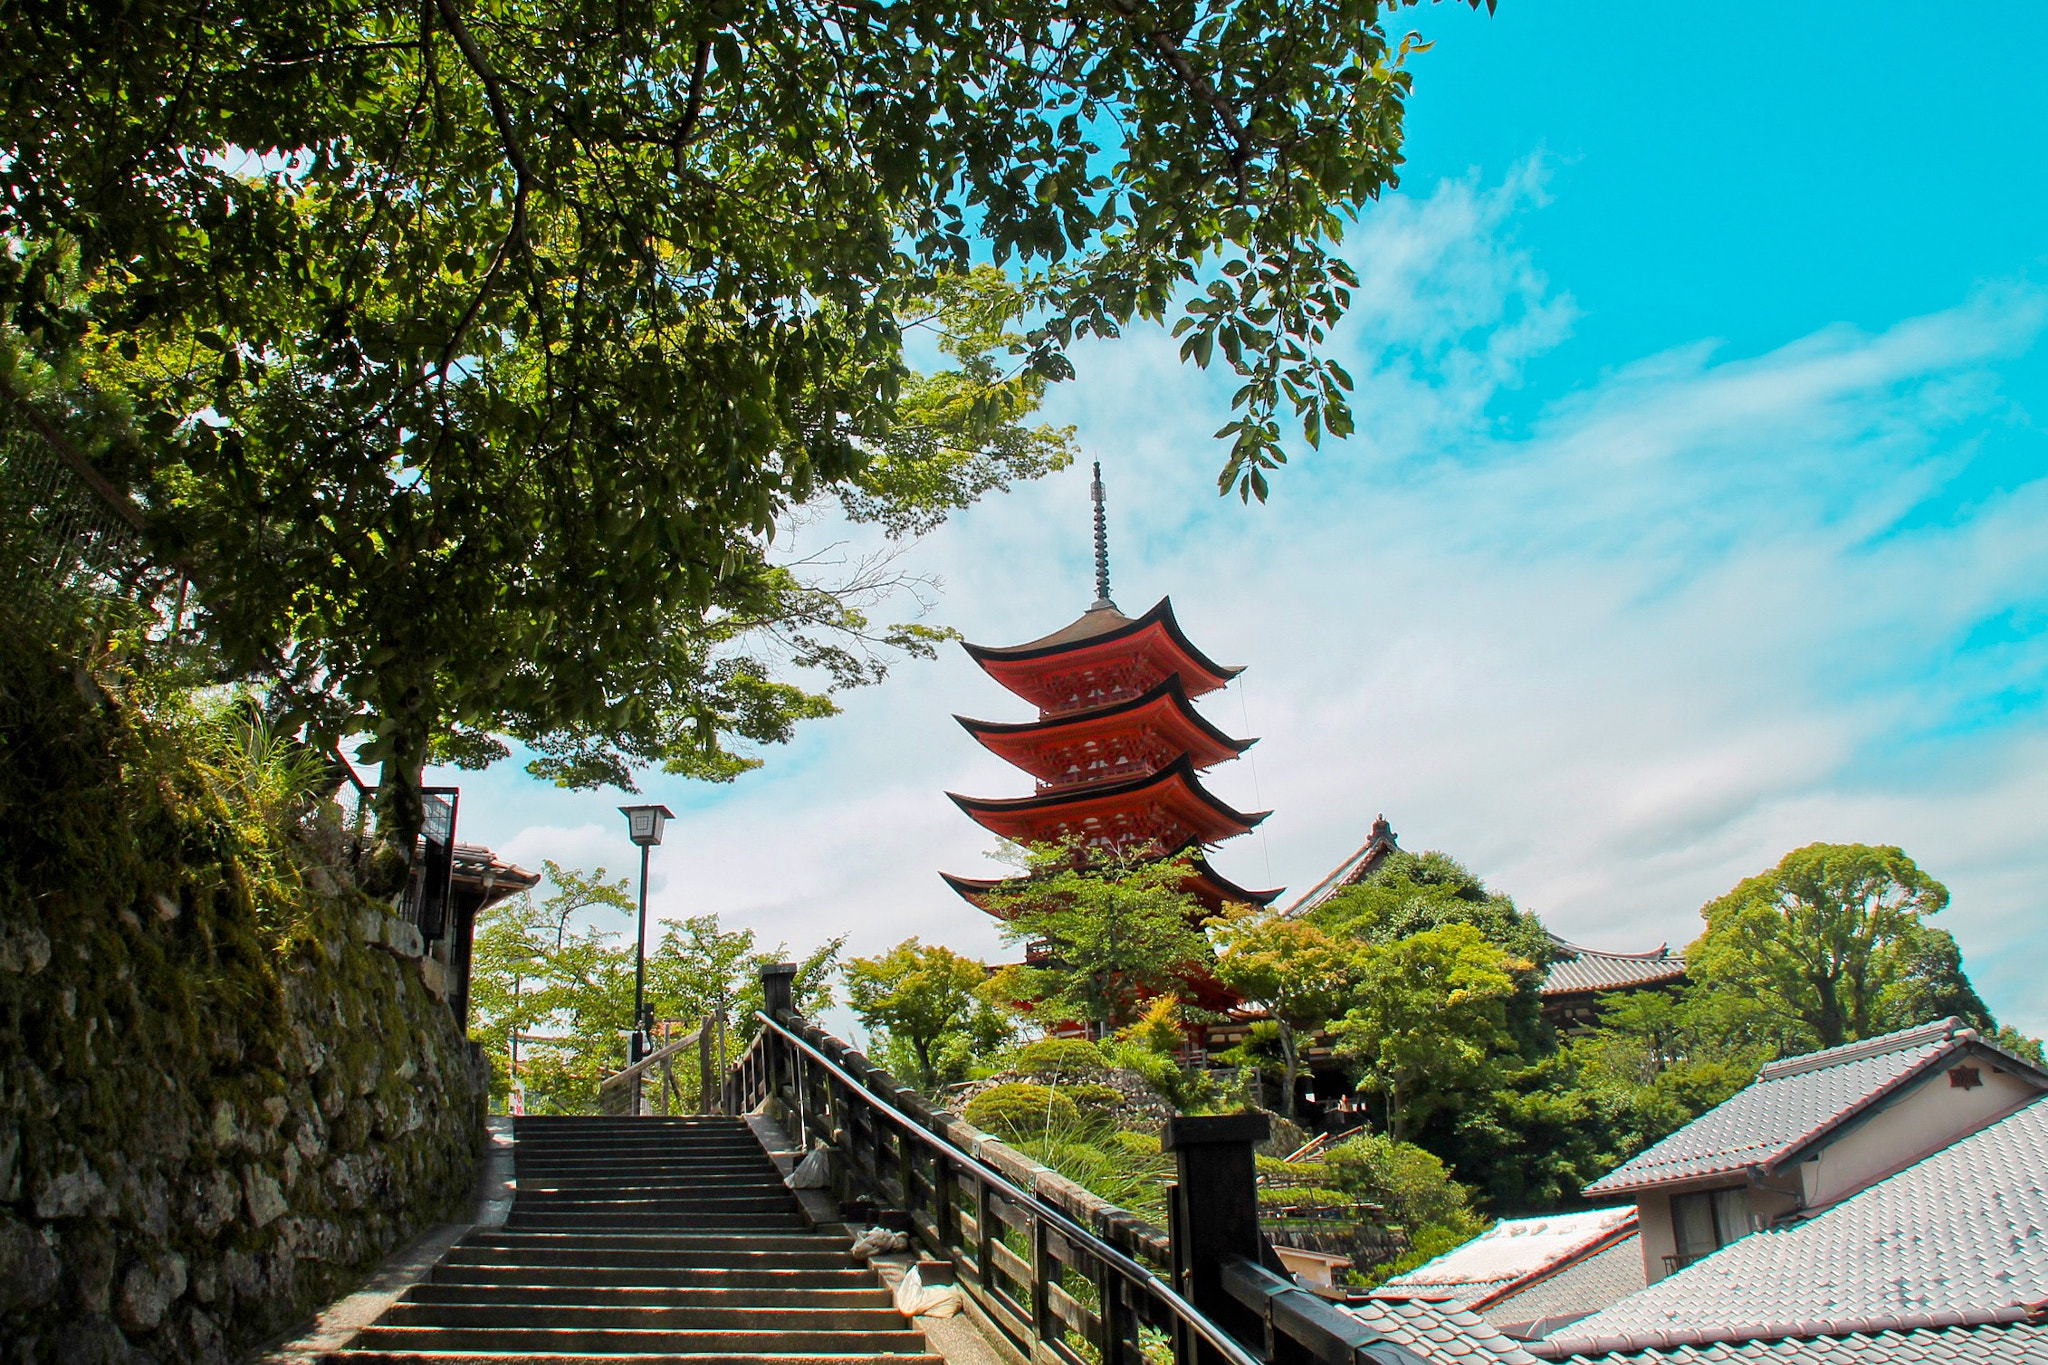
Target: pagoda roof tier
{"type": "Point", "coordinates": [1168, 807]}
{"type": "Point", "coordinates": [1105, 656]}
{"type": "Point", "coordinates": [1204, 883]}
{"type": "Point", "coordinates": [1123, 739]}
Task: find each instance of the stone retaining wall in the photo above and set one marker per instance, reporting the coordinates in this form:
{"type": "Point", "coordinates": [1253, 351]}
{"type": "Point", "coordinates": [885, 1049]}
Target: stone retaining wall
{"type": "Point", "coordinates": [215, 1114]}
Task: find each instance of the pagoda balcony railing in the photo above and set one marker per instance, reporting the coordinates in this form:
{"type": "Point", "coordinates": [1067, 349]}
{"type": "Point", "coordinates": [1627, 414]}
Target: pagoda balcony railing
{"type": "Point", "coordinates": [1108, 772]}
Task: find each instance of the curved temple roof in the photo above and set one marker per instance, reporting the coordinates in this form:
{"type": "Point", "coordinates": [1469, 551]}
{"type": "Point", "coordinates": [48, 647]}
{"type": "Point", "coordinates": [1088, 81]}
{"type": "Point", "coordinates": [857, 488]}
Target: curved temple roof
{"type": "Point", "coordinates": [1173, 789]}
{"type": "Point", "coordinates": [1165, 706]}
{"type": "Point", "coordinates": [1102, 635]}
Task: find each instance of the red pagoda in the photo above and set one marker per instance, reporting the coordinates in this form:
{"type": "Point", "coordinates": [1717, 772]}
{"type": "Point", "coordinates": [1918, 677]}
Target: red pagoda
{"type": "Point", "coordinates": [1118, 746]}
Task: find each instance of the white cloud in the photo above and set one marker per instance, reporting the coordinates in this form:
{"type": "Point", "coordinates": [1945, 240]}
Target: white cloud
{"type": "Point", "coordinates": [1616, 661]}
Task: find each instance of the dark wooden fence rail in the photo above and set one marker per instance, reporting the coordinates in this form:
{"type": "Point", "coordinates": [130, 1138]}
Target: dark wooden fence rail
{"type": "Point", "coordinates": [1057, 1275]}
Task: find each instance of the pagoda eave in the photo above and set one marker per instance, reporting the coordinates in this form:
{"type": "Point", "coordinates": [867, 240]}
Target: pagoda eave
{"type": "Point", "coordinates": [1021, 668]}
{"type": "Point", "coordinates": [1165, 712]}
{"type": "Point", "coordinates": [1171, 804]}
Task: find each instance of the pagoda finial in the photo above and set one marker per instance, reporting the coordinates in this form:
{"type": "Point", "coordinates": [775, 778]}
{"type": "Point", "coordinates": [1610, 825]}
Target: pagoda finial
{"type": "Point", "coordinates": [1101, 547]}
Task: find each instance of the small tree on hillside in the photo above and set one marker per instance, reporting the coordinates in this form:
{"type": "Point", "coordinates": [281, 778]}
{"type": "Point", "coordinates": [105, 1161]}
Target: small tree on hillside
{"type": "Point", "coordinates": [931, 1006]}
{"type": "Point", "coordinates": [1426, 1012]}
{"type": "Point", "coordinates": [1289, 967]}
{"type": "Point", "coordinates": [1117, 928]}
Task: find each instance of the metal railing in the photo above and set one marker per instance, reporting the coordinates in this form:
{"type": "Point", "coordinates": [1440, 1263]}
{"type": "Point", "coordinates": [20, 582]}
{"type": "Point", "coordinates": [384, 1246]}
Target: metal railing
{"type": "Point", "coordinates": [1037, 1278]}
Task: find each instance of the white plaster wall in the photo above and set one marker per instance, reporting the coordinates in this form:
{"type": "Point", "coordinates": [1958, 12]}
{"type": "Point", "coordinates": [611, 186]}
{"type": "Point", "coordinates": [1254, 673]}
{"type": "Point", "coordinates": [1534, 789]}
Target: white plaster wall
{"type": "Point", "coordinates": [1924, 1119]}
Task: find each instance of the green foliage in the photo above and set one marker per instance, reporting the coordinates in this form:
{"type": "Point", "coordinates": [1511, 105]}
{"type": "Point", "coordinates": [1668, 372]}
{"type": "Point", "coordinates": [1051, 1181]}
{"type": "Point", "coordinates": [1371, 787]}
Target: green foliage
{"type": "Point", "coordinates": [1829, 945]}
{"type": "Point", "coordinates": [1300, 975]}
{"type": "Point", "coordinates": [471, 356]}
{"type": "Point", "coordinates": [932, 1008]}
{"type": "Point", "coordinates": [567, 986]}
{"type": "Point", "coordinates": [1121, 928]}
{"type": "Point", "coordinates": [1016, 1110]}
{"type": "Point", "coordinates": [1061, 1060]}
{"type": "Point", "coordinates": [1125, 1168]}
{"type": "Point", "coordinates": [1426, 1012]}
{"type": "Point", "coordinates": [1187, 1089]}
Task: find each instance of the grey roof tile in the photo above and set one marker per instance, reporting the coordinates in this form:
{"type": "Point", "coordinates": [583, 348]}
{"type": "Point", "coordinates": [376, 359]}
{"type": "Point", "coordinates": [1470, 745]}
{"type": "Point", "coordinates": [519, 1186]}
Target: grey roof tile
{"type": "Point", "coordinates": [1575, 969]}
{"type": "Point", "coordinates": [1989, 1344]}
{"type": "Point", "coordinates": [1790, 1103]}
{"type": "Point", "coordinates": [1441, 1334]}
{"type": "Point", "coordinates": [1958, 1237]}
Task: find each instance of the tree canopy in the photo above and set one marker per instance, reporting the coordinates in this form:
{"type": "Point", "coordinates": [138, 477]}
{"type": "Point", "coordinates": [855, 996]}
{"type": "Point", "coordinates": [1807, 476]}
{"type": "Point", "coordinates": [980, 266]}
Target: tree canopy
{"type": "Point", "coordinates": [466, 357]}
{"type": "Point", "coordinates": [931, 1007]}
{"type": "Point", "coordinates": [1830, 945]}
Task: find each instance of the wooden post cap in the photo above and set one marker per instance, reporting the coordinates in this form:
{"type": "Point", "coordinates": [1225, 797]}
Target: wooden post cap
{"type": "Point", "coordinates": [1211, 1129]}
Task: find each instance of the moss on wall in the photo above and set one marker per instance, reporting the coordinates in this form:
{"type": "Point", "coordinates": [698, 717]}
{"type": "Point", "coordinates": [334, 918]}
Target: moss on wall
{"type": "Point", "coordinates": [219, 1106]}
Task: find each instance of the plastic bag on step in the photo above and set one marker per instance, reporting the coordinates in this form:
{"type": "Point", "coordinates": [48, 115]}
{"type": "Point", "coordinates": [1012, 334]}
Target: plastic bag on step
{"type": "Point", "coordinates": [814, 1172]}
{"type": "Point", "coordinates": [770, 1108]}
{"type": "Point", "coordinates": [916, 1299]}
{"type": "Point", "coordinates": [878, 1242]}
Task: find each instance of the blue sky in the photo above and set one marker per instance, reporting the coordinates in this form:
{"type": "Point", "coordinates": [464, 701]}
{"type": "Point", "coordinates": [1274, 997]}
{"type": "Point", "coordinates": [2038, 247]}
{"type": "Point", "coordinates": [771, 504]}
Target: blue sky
{"type": "Point", "coordinates": [1698, 510]}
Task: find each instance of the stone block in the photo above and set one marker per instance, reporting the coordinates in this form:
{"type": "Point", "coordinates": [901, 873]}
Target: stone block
{"type": "Point", "coordinates": [433, 974]}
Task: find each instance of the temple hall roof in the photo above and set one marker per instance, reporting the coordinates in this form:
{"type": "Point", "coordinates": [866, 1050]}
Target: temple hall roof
{"type": "Point", "coordinates": [1574, 969]}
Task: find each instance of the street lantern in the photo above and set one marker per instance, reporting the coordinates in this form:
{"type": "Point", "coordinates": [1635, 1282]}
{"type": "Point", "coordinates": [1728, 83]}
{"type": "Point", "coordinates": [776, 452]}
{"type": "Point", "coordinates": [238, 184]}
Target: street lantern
{"type": "Point", "coordinates": [643, 827]}
{"type": "Point", "coordinates": [643, 823]}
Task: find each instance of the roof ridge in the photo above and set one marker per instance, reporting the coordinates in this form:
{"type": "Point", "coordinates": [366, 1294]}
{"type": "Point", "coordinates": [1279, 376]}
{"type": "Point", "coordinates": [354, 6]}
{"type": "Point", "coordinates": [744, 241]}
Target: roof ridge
{"type": "Point", "coordinates": [1941, 1030]}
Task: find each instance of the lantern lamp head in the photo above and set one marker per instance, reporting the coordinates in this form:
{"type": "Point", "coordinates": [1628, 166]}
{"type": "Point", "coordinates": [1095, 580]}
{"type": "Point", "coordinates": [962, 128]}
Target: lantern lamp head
{"type": "Point", "coordinates": [643, 823]}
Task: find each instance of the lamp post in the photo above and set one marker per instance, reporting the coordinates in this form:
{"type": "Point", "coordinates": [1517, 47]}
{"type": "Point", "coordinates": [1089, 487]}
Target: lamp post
{"type": "Point", "coordinates": [643, 827]}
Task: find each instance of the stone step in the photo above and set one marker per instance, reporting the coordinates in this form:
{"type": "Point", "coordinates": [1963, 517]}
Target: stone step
{"type": "Point", "coordinates": [718, 1242]}
{"type": "Point", "coordinates": [642, 1317]}
{"type": "Point", "coordinates": [654, 1201]}
{"type": "Point", "coordinates": [830, 1255]}
{"type": "Point", "coordinates": [615, 1341]}
{"type": "Point", "coordinates": [650, 1277]}
{"type": "Point", "coordinates": [642, 1222]}
{"type": "Point", "coordinates": [401, 1357]}
{"type": "Point", "coordinates": [750, 1184]}
{"type": "Point", "coordinates": [869, 1295]}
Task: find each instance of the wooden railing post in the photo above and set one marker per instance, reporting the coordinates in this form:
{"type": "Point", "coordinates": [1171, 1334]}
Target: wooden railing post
{"type": "Point", "coordinates": [709, 1083]}
{"type": "Point", "coordinates": [778, 1002]}
{"type": "Point", "coordinates": [1215, 1215]}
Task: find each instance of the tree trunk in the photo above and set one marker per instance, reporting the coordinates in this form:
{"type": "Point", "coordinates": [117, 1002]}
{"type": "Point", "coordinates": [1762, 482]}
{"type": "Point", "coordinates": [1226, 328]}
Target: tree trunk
{"type": "Point", "coordinates": [1290, 1068]}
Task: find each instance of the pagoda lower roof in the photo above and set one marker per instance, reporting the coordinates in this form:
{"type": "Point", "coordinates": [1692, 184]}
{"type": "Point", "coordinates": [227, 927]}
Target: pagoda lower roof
{"type": "Point", "coordinates": [1165, 709]}
{"type": "Point", "coordinates": [1101, 637]}
{"type": "Point", "coordinates": [1173, 798]}
{"type": "Point", "coordinates": [1204, 882]}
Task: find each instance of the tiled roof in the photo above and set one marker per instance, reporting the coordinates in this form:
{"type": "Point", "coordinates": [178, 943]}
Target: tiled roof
{"type": "Point", "coordinates": [1440, 1334]}
{"type": "Point", "coordinates": [1585, 1286]}
{"type": "Point", "coordinates": [1574, 969]}
{"type": "Point", "coordinates": [1990, 1344]}
{"type": "Point", "coordinates": [1957, 1238]}
{"type": "Point", "coordinates": [1791, 1103]}
{"type": "Point", "coordinates": [1352, 870]}
{"type": "Point", "coordinates": [1510, 1252]}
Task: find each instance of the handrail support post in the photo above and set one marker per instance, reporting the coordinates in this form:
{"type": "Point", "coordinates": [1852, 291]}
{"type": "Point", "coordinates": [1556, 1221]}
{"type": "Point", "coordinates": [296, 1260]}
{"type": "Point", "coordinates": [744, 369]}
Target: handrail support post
{"type": "Point", "coordinates": [1215, 1206]}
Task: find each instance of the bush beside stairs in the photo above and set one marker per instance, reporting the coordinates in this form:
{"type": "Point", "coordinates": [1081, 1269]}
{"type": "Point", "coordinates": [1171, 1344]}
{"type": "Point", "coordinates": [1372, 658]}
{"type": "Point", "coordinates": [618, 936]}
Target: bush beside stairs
{"type": "Point", "coordinates": [650, 1240]}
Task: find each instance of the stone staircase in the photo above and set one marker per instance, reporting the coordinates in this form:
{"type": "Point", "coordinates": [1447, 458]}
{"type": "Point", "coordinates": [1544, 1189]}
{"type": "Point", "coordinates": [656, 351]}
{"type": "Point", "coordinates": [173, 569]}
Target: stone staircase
{"type": "Point", "coordinates": [649, 1240]}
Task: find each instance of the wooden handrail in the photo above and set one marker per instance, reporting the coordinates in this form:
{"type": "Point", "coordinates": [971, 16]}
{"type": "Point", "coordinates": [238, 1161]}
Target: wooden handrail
{"type": "Point", "coordinates": [639, 1068]}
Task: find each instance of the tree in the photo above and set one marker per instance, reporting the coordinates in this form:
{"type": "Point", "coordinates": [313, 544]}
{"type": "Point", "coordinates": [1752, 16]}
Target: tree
{"type": "Point", "coordinates": [1288, 967]}
{"type": "Point", "coordinates": [1410, 892]}
{"type": "Point", "coordinates": [467, 358]}
{"type": "Point", "coordinates": [930, 1003]}
{"type": "Point", "coordinates": [1828, 942]}
{"type": "Point", "coordinates": [1116, 927]}
{"type": "Point", "coordinates": [1426, 1012]}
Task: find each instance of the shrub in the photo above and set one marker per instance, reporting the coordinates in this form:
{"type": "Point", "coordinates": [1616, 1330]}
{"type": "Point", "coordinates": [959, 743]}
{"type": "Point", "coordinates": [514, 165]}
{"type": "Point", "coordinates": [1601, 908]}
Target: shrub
{"type": "Point", "coordinates": [1018, 1110]}
{"type": "Point", "coordinates": [1062, 1060]}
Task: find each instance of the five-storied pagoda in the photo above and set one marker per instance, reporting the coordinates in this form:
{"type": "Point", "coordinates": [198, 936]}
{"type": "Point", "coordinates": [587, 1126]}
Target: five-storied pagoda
{"type": "Point", "coordinates": [1118, 746]}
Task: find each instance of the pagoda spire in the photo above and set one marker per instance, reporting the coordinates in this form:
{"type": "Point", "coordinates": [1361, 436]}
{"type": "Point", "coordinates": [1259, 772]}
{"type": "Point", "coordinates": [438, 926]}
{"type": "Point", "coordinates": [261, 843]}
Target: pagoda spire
{"type": "Point", "coordinates": [1101, 547]}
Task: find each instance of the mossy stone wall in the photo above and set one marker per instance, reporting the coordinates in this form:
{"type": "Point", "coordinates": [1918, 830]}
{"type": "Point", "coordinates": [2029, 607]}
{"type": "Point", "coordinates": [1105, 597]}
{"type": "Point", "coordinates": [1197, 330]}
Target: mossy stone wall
{"type": "Point", "coordinates": [219, 1105]}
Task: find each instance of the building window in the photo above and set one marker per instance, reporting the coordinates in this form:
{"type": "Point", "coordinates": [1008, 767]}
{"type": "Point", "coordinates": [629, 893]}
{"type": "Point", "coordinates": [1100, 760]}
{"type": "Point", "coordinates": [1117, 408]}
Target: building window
{"type": "Point", "coordinates": [1705, 1222]}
